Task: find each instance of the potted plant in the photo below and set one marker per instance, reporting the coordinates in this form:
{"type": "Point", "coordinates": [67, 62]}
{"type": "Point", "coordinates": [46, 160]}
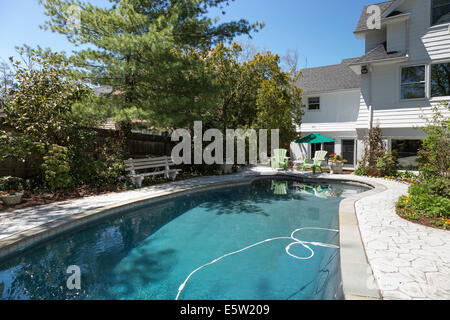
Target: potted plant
{"type": "Point", "coordinates": [336, 163]}
{"type": "Point", "coordinates": [11, 190]}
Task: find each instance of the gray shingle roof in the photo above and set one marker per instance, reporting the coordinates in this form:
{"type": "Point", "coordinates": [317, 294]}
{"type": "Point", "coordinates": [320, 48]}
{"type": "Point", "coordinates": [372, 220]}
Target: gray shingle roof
{"type": "Point", "coordinates": [362, 23]}
{"type": "Point", "coordinates": [379, 53]}
{"type": "Point", "coordinates": [329, 78]}
{"type": "Point", "coordinates": [103, 90]}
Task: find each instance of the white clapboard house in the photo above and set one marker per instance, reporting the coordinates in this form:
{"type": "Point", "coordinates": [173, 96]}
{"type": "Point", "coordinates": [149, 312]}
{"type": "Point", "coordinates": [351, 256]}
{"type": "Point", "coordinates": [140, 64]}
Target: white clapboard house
{"type": "Point", "coordinates": [405, 70]}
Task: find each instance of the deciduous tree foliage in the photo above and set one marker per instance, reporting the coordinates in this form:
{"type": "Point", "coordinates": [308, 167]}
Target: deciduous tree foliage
{"type": "Point", "coordinates": [435, 151]}
{"type": "Point", "coordinates": [256, 93]}
{"type": "Point", "coordinates": [39, 112]}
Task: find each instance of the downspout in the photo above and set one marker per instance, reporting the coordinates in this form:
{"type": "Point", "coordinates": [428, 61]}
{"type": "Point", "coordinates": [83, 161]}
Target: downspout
{"type": "Point", "coordinates": [407, 37]}
{"type": "Point", "coordinates": [370, 98]}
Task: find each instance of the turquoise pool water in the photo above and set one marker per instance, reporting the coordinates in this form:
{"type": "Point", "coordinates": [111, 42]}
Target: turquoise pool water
{"type": "Point", "coordinates": [150, 251]}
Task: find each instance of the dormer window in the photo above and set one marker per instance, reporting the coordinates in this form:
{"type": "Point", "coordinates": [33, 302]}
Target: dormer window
{"type": "Point", "coordinates": [440, 12]}
{"type": "Point", "coordinates": [314, 103]}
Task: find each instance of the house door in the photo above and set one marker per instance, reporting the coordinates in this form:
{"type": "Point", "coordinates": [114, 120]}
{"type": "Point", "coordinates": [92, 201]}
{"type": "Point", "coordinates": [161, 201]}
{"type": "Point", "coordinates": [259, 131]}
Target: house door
{"type": "Point", "coordinates": [348, 151]}
{"type": "Point", "coordinates": [329, 147]}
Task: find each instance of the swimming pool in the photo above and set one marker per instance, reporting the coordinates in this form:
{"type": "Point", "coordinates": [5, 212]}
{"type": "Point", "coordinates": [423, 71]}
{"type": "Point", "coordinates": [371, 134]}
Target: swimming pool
{"type": "Point", "coordinates": [274, 239]}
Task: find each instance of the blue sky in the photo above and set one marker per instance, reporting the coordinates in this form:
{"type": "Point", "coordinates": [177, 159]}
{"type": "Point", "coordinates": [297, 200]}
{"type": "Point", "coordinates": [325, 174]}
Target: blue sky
{"type": "Point", "coordinates": [322, 32]}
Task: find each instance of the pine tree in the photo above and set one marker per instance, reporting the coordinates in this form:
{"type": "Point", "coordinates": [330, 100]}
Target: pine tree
{"type": "Point", "coordinates": [152, 52]}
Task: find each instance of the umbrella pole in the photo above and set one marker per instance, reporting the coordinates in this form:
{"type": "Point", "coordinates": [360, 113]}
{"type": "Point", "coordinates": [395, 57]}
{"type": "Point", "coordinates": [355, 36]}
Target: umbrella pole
{"type": "Point", "coordinates": [321, 146]}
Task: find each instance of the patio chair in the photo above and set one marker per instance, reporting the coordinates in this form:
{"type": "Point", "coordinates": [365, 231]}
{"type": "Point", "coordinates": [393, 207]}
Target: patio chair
{"type": "Point", "coordinates": [319, 158]}
{"type": "Point", "coordinates": [279, 159]}
{"type": "Point", "coordinates": [279, 187]}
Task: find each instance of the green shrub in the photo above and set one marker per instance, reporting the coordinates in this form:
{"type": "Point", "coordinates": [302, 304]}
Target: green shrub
{"type": "Point", "coordinates": [361, 171]}
{"type": "Point", "coordinates": [11, 183]}
{"type": "Point", "coordinates": [422, 200]}
{"type": "Point", "coordinates": [110, 170]}
{"type": "Point", "coordinates": [439, 187]}
{"type": "Point", "coordinates": [387, 164]}
{"type": "Point", "coordinates": [56, 168]}
{"type": "Point", "coordinates": [434, 155]}
{"type": "Point", "coordinates": [406, 175]}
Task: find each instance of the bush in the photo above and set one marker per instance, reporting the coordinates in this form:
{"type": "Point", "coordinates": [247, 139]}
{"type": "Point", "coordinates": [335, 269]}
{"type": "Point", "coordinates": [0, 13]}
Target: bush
{"type": "Point", "coordinates": [11, 183]}
{"type": "Point", "coordinates": [110, 170]}
{"type": "Point", "coordinates": [406, 175]}
{"type": "Point", "coordinates": [439, 187]}
{"type": "Point", "coordinates": [434, 155]}
{"type": "Point", "coordinates": [373, 147]}
{"type": "Point", "coordinates": [421, 200]}
{"type": "Point", "coordinates": [387, 164]}
{"type": "Point", "coordinates": [56, 168]}
{"type": "Point", "coordinates": [361, 171]}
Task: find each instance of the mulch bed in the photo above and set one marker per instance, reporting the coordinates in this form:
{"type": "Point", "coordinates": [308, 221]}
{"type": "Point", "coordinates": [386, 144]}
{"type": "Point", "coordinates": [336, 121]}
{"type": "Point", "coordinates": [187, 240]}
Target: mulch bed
{"type": "Point", "coordinates": [36, 199]}
{"type": "Point", "coordinates": [423, 220]}
{"type": "Point", "coordinates": [31, 199]}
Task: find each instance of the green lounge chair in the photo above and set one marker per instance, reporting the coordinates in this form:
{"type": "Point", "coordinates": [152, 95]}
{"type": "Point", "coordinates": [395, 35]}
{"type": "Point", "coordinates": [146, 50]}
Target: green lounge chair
{"type": "Point", "coordinates": [319, 158]}
{"type": "Point", "coordinates": [279, 159]}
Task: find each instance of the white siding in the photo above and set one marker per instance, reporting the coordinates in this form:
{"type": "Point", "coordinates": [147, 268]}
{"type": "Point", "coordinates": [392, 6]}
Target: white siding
{"type": "Point", "coordinates": [425, 42]}
{"type": "Point", "coordinates": [363, 114]}
{"type": "Point", "coordinates": [437, 43]}
{"type": "Point", "coordinates": [384, 86]}
{"type": "Point", "coordinates": [328, 127]}
{"type": "Point", "coordinates": [337, 109]}
{"type": "Point", "coordinates": [404, 117]}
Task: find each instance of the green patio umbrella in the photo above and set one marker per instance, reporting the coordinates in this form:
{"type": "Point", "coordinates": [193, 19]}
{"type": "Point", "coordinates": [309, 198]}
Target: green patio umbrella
{"type": "Point", "coordinates": [315, 138]}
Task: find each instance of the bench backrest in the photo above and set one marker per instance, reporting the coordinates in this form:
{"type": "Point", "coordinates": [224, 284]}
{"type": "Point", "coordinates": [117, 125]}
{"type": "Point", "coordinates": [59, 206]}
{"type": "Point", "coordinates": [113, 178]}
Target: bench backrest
{"type": "Point", "coordinates": [148, 163]}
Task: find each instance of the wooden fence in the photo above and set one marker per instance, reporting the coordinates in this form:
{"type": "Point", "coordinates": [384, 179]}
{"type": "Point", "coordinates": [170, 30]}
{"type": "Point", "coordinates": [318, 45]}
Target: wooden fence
{"type": "Point", "coordinates": [139, 145]}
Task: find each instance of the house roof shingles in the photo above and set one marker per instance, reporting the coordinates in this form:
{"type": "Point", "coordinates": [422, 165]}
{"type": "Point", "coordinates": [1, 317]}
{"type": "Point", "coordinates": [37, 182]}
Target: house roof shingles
{"type": "Point", "coordinates": [329, 78]}
{"type": "Point", "coordinates": [362, 23]}
{"type": "Point", "coordinates": [379, 53]}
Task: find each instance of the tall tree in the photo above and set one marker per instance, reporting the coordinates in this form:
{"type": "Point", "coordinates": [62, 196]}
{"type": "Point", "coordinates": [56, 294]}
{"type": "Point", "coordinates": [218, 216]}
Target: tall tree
{"type": "Point", "coordinates": [6, 79]}
{"type": "Point", "coordinates": [256, 93]}
{"type": "Point", "coordinates": [39, 113]}
{"type": "Point", "coordinates": [148, 50]}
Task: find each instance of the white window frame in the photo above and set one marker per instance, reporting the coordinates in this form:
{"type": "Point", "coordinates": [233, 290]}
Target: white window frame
{"type": "Point", "coordinates": [426, 81]}
{"type": "Point", "coordinates": [314, 97]}
{"type": "Point", "coordinates": [431, 16]}
{"type": "Point", "coordinates": [430, 84]}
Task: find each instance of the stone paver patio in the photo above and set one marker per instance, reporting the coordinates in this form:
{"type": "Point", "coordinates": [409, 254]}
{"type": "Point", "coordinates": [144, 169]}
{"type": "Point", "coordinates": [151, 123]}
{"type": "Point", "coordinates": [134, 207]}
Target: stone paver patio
{"type": "Point", "coordinates": [409, 261]}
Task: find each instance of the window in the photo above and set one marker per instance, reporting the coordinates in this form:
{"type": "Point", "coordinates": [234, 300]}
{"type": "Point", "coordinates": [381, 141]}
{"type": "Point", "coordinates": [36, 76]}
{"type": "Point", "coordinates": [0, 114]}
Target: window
{"type": "Point", "coordinates": [413, 82]}
{"type": "Point", "coordinates": [314, 103]}
{"type": "Point", "coordinates": [440, 12]}
{"type": "Point", "coordinates": [440, 80]}
{"type": "Point", "coordinates": [407, 151]}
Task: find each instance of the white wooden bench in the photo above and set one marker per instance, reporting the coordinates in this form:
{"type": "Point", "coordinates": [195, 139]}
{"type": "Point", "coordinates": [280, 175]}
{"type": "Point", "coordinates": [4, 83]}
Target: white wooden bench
{"type": "Point", "coordinates": [160, 166]}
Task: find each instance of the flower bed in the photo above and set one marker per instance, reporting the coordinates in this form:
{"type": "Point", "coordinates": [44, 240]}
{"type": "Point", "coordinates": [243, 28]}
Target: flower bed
{"type": "Point", "coordinates": [428, 202]}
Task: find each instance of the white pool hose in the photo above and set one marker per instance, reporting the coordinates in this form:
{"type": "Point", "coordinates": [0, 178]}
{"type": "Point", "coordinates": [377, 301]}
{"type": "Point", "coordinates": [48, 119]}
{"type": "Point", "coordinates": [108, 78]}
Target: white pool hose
{"type": "Point", "coordinates": [305, 244]}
